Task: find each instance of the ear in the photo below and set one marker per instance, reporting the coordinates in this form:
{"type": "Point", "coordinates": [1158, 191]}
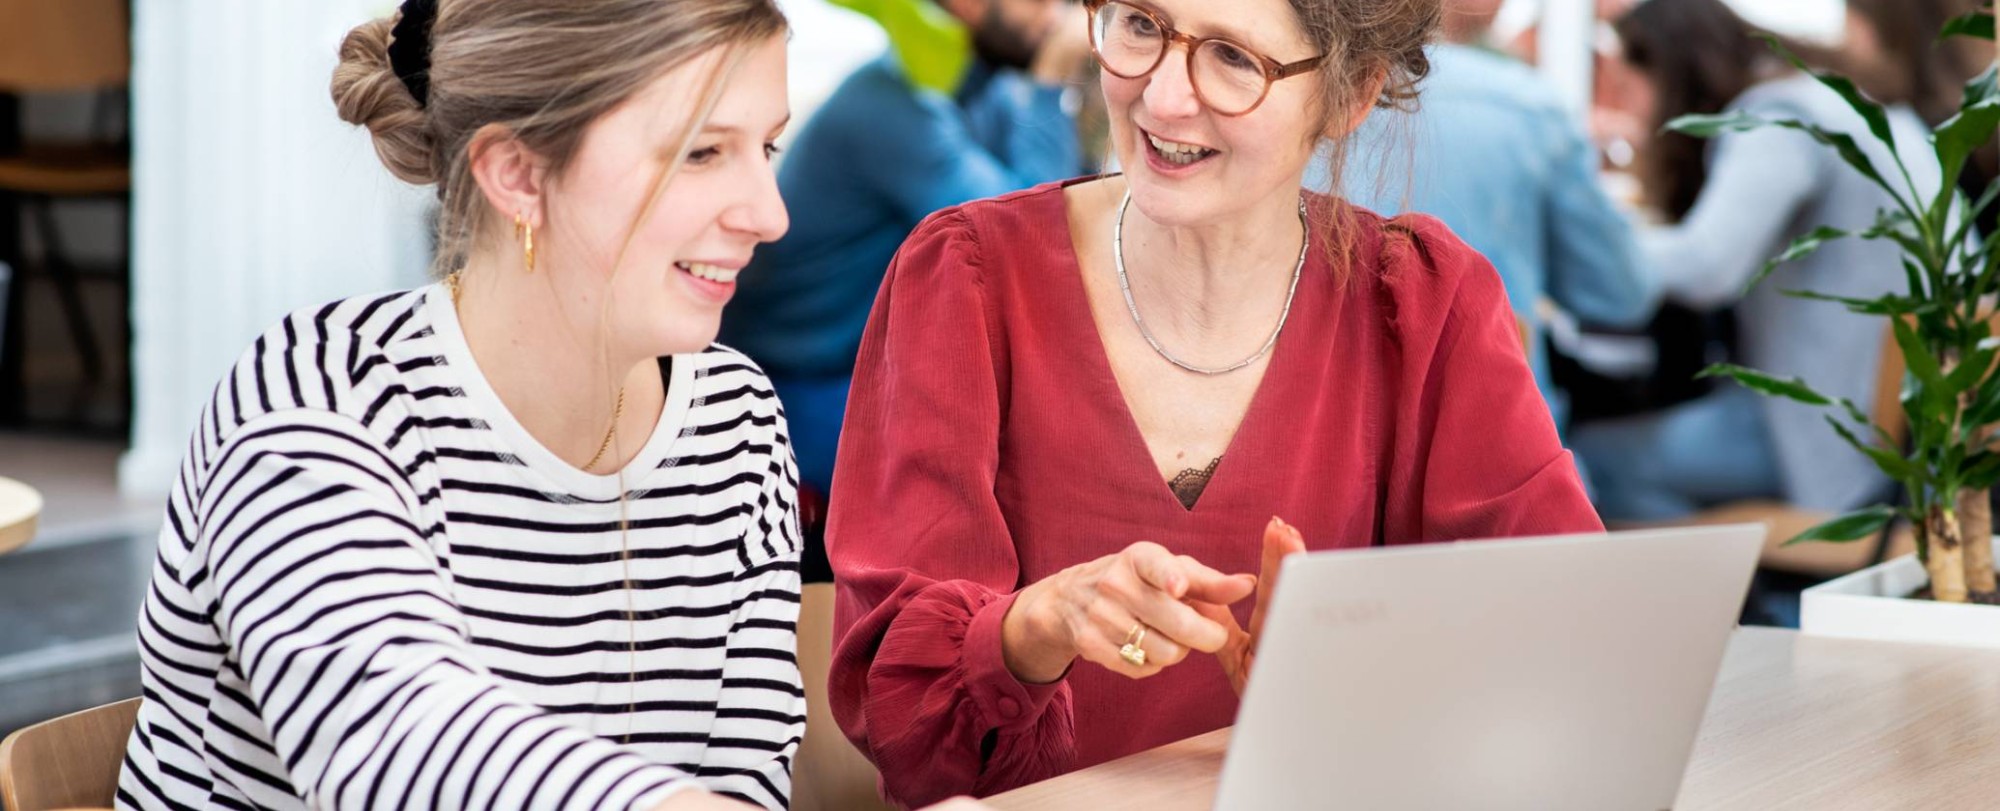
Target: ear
{"type": "Point", "coordinates": [510, 175]}
{"type": "Point", "coordinates": [1363, 104]}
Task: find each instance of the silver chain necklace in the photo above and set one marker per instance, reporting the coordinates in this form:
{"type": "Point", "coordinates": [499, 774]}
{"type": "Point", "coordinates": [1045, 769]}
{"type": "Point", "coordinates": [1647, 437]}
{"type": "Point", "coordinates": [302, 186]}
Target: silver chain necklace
{"type": "Point", "coordinates": [1125, 286]}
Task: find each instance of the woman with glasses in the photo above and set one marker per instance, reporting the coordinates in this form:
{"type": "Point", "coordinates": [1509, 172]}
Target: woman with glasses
{"type": "Point", "coordinates": [1077, 408]}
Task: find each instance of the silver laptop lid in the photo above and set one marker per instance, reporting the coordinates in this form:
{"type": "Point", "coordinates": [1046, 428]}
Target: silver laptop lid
{"type": "Point", "coordinates": [1550, 673]}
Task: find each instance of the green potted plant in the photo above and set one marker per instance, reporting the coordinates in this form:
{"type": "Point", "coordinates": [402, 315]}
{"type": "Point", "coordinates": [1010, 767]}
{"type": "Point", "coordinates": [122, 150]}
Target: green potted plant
{"type": "Point", "coordinates": [1942, 321]}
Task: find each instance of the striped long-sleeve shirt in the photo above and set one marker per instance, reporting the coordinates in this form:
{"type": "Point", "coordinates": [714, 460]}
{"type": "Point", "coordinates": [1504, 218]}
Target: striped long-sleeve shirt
{"type": "Point", "coordinates": [374, 588]}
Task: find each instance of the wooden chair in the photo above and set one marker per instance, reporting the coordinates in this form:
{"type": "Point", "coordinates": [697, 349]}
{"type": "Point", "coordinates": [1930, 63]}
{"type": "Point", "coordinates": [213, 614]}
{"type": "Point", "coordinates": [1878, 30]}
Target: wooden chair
{"type": "Point", "coordinates": [69, 762]}
{"type": "Point", "coordinates": [830, 774]}
{"type": "Point", "coordinates": [60, 47]}
{"type": "Point", "coordinates": [20, 511]}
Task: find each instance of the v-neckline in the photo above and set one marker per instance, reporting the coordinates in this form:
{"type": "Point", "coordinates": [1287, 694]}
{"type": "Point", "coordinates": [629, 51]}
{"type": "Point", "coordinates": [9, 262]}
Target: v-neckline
{"type": "Point", "coordinates": [1128, 423]}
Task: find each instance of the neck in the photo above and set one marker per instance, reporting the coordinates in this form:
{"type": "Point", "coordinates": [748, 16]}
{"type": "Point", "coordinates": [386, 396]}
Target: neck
{"type": "Point", "coordinates": [1219, 283]}
{"type": "Point", "coordinates": [544, 353]}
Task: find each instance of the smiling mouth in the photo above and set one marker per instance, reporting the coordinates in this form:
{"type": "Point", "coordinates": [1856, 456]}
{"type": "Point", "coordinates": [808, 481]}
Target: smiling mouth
{"type": "Point", "coordinates": [1177, 153]}
{"type": "Point", "coordinates": [711, 273]}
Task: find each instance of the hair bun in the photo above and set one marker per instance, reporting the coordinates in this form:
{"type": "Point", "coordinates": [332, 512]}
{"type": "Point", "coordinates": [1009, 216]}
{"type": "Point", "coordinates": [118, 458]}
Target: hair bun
{"type": "Point", "coordinates": [367, 92]}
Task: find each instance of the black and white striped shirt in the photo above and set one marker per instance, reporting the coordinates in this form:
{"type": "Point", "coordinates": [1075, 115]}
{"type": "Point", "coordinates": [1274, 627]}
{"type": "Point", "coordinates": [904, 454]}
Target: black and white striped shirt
{"type": "Point", "coordinates": [374, 588]}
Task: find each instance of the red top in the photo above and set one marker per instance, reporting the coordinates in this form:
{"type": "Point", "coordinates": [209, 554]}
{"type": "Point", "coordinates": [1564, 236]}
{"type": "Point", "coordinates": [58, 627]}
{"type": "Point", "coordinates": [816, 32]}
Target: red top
{"type": "Point", "coordinates": [988, 446]}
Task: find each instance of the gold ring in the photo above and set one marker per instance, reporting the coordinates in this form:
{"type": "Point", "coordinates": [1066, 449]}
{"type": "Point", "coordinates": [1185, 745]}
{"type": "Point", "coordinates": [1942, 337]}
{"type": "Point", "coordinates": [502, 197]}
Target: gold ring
{"type": "Point", "coordinates": [1131, 652]}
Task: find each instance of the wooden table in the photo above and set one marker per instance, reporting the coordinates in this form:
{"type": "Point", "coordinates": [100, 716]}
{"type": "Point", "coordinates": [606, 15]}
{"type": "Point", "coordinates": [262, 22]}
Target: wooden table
{"type": "Point", "coordinates": [20, 508]}
{"type": "Point", "coordinates": [1795, 722]}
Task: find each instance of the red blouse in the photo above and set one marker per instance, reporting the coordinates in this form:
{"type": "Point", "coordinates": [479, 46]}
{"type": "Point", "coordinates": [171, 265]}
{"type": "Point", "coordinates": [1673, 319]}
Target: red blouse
{"type": "Point", "coordinates": [988, 446]}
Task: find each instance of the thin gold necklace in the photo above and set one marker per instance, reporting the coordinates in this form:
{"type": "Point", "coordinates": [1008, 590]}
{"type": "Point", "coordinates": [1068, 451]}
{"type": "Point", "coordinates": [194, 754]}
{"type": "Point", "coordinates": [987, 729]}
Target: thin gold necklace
{"type": "Point", "coordinates": [451, 285]}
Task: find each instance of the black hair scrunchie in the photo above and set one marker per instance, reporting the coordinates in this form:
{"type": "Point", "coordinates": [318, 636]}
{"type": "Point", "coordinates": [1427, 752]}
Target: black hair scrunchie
{"type": "Point", "coordinates": [410, 48]}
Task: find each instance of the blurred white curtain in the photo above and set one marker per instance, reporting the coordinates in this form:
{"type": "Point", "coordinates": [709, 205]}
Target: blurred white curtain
{"type": "Point", "coordinates": [250, 199]}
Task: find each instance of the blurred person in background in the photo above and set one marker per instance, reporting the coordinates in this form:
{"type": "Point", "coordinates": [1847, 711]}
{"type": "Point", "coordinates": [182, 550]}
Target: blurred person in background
{"type": "Point", "coordinates": [931, 124]}
{"type": "Point", "coordinates": [1731, 204]}
{"type": "Point", "coordinates": [1494, 154]}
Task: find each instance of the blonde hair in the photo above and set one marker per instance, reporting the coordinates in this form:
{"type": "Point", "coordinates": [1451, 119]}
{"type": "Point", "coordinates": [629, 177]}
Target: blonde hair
{"type": "Point", "coordinates": [542, 69]}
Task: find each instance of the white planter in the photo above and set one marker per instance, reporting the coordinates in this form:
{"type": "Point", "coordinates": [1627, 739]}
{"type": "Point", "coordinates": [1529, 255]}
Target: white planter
{"type": "Point", "coordinates": [1874, 604]}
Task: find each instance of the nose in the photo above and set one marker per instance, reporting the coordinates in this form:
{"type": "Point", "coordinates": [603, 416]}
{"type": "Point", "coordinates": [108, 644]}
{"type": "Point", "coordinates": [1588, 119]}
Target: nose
{"type": "Point", "coordinates": [1170, 90]}
{"type": "Point", "coordinates": [760, 213]}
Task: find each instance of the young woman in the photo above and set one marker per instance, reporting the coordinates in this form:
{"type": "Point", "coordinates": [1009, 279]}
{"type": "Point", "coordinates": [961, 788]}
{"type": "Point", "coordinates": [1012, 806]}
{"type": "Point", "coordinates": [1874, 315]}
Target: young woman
{"type": "Point", "coordinates": [522, 538]}
{"type": "Point", "coordinates": [1076, 407]}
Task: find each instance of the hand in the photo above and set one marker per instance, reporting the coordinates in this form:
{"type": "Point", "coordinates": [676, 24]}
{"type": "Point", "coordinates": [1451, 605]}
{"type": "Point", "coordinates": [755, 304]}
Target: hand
{"type": "Point", "coordinates": [1088, 609]}
{"type": "Point", "coordinates": [1065, 47]}
{"type": "Point", "coordinates": [1240, 652]}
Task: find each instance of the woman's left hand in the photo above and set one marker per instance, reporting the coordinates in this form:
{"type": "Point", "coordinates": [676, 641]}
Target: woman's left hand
{"type": "Point", "coordinates": [1240, 652]}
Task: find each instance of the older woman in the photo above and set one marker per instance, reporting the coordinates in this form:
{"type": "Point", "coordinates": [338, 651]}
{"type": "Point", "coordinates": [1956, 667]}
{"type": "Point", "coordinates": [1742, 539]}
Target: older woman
{"type": "Point", "coordinates": [1076, 406]}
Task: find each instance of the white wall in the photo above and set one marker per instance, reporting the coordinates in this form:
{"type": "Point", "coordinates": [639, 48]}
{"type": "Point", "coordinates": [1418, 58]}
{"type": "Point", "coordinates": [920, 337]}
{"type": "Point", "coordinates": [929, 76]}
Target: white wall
{"type": "Point", "coordinates": [251, 199]}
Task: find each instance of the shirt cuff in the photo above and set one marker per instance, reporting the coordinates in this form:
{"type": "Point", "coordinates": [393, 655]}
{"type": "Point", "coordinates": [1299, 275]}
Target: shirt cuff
{"type": "Point", "coordinates": [1005, 701]}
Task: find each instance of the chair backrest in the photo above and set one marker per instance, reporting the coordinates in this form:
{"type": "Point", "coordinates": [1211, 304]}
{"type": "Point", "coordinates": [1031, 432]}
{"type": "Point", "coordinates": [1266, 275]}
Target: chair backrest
{"type": "Point", "coordinates": [64, 45]}
{"type": "Point", "coordinates": [68, 762]}
{"type": "Point", "coordinates": [830, 774]}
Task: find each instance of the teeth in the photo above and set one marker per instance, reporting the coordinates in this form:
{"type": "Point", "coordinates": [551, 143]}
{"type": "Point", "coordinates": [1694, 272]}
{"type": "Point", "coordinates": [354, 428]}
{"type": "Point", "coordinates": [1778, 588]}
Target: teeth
{"type": "Point", "coordinates": [709, 272]}
{"type": "Point", "coordinates": [1176, 152]}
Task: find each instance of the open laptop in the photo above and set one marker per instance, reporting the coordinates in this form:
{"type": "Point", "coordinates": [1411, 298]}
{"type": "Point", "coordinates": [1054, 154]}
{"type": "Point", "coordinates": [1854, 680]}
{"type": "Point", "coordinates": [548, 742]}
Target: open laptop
{"type": "Point", "coordinates": [1550, 673]}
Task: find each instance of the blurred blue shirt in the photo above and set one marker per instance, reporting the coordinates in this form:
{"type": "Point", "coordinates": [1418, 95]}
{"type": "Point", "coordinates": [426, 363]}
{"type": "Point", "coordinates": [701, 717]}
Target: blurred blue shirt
{"type": "Point", "coordinates": [878, 157]}
{"type": "Point", "coordinates": [1493, 154]}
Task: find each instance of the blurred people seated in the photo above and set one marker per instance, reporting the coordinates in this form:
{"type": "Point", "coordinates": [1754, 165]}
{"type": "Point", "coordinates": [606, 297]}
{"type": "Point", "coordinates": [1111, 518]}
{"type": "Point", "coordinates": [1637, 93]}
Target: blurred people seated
{"type": "Point", "coordinates": [949, 114]}
{"type": "Point", "coordinates": [1493, 154]}
{"type": "Point", "coordinates": [1733, 203]}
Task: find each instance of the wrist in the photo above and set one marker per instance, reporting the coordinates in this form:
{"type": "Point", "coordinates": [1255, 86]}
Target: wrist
{"type": "Point", "coordinates": [1029, 644]}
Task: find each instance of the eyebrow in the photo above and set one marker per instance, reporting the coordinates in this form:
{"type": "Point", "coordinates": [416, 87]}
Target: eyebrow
{"type": "Point", "coordinates": [1222, 30]}
{"type": "Point", "coordinates": [731, 129]}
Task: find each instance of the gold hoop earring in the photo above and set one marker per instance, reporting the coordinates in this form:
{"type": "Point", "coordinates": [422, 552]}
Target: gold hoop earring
{"type": "Point", "coordinates": [525, 232]}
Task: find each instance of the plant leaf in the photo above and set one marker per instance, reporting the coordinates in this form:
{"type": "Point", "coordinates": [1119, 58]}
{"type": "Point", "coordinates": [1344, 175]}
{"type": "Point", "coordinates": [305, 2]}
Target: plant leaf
{"type": "Point", "coordinates": [1957, 138]}
{"type": "Point", "coordinates": [1982, 470]}
{"type": "Point", "coordinates": [1915, 276]}
{"type": "Point", "coordinates": [1801, 247]}
{"type": "Point", "coordinates": [1788, 388]}
{"type": "Point", "coordinates": [1984, 87]}
{"type": "Point", "coordinates": [1985, 408]}
{"type": "Point", "coordinates": [1978, 24]}
{"type": "Point", "coordinates": [1850, 527]}
{"type": "Point", "coordinates": [1877, 118]}
{"type": "Point", "coordinates": [1709, 126]}
{"type": "Point", "coordinates": [1971, 369]}
{"type": "Point", "coordinates": [1891, 463]}
{"type": "Point", "coordinates": [1885, 305]}
{"type": "Point", "coordinates": [1916, 355]}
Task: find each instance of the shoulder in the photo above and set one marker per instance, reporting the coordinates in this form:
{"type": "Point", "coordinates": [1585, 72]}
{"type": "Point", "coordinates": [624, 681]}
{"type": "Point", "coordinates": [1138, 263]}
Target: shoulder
{"type": "Point", "coordinates": [339, 358]}
{"type": "Point", "coordinates": [731, 394]}
{"type": "Point", "coordinates": [1796, 96]}
{"type": "Point", "coordinates": [1423, 271]}
{"type": "Point", "coordinates": [968, 244]}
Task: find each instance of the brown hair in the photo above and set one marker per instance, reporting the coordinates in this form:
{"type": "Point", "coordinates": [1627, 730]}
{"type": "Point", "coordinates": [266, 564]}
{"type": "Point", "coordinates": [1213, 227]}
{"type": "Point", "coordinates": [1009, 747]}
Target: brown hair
{"type": "Point", "coordinates": [1364, 40]}
{"type": "Point", "coordinates": [1927, 74]}
{"type": "Point", "coordinates": [543, 69]}
{"type": "Point", "coordinates": [1700, 56]}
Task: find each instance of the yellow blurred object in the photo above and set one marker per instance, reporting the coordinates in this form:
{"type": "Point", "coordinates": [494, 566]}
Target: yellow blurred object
{"type": "Point", "coordinates": [934, 47]}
